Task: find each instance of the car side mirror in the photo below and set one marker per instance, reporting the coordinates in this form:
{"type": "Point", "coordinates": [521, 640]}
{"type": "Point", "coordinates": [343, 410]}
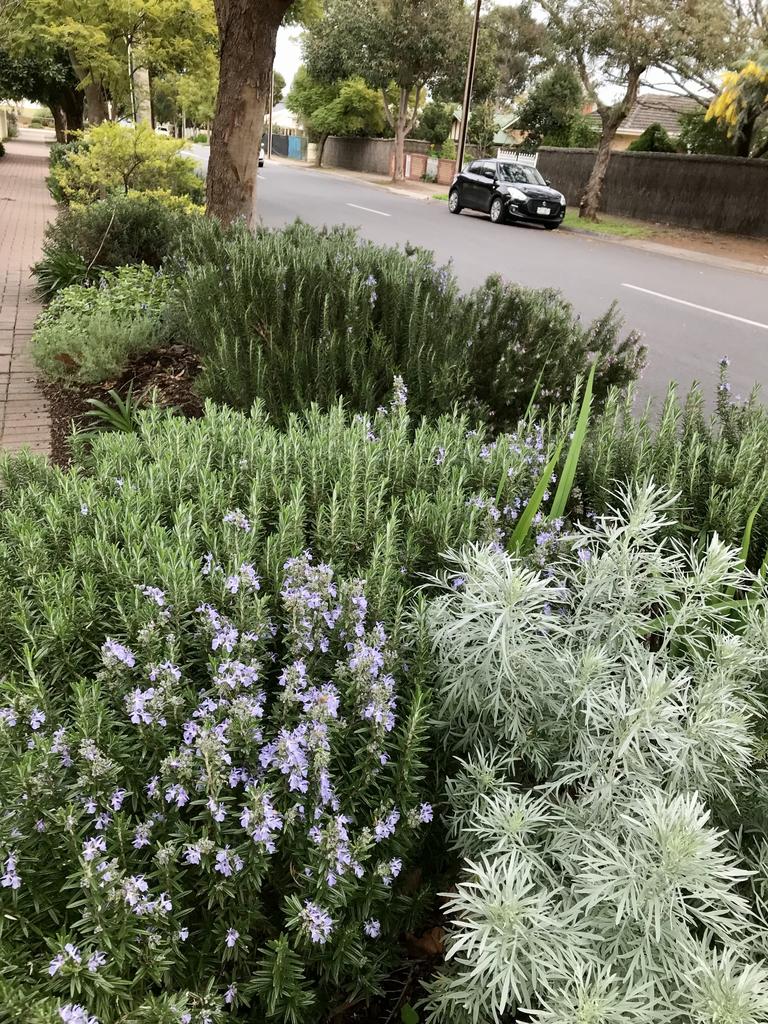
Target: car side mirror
{"type": "Point", "coordinates": [547, 182]}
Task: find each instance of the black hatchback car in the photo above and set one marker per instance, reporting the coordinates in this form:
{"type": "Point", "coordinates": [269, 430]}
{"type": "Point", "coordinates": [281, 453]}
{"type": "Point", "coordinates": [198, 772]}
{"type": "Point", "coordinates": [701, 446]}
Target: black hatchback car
{"type": "Point", "coordinates": [507, 191]}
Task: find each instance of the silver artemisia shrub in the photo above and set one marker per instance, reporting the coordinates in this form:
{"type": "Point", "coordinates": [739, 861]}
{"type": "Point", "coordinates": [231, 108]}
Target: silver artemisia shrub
{"type": "Point", "coordinates": [604, 715]}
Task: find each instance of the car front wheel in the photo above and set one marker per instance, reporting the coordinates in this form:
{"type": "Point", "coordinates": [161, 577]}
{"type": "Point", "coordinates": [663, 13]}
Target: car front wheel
{"type": "Point", "coordinates": [453, 201]}
{"type": "Point", "coordinates": [497, 211]}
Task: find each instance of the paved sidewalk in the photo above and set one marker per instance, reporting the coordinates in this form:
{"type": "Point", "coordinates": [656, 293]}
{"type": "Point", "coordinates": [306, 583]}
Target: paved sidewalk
{"type": "Point", "coordinates": [25, 207]}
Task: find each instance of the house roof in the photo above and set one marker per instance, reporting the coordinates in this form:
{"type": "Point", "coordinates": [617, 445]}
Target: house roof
{"type": "Point", "coordinates": [652, 108]}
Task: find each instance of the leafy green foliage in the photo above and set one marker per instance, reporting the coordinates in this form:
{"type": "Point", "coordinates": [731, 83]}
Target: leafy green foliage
{"type": "Point", "coordinates": [119, 159]}
{"type": "Point", "coordinates": [603, 711]}
{"type": "Point", "coordinates": [216, 514]}
{"type": "Point", "coordinates": [58, 158]}
{"type": "Point", "coordinates": [90, 332]}
{"type": "Point", "coordinates": [655, 139]}
{"type": "Point", "coordinates": [435, 122]}
{"type": "Point", "coordinates": [716, 466]}
{"type": "Point", "coordinates": [698, 134]}
{"type": "Point", "coordinates": [120, 414]}
{"type": "Point", "coordinates": [551, 107]}
{"type": "Point", "coordinates": [85, 241]}
{"type": "Point", "coordinates": [303, 316]}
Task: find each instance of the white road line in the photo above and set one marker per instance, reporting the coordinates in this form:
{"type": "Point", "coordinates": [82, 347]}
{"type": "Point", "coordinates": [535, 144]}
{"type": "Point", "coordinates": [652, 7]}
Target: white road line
{"type": "Point", "coordinates": [369, 210]}
{"type": "Point", "coordinates": [694, 305]}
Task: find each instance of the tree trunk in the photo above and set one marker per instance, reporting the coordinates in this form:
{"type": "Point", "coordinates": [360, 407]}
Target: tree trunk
{"type": "Point", "coordinates": [589, 205]}
{"type": "Point", "coordinates": [401, 130]}
{"type": "Point", "coordinates": [320, 150]}
{"type": "Point", "coordinates": [142, 96]}
{"type": "Point", "coordinates": [95, 99]}
{"type": "Point", "coordinates": [72, 102]}
{"type": "Point", "coordinates": [59, 122]}
{"type": "Point", "coordinates": [610, 117]}
{"type": "Point", "coordinates": [247, 40]}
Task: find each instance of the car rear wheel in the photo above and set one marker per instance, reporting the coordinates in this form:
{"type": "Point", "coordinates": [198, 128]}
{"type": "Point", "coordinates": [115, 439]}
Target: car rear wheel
{"type": "Point", "coordinates": [497, 211]}
{"type": "Point", "coordinates": [453, 201]}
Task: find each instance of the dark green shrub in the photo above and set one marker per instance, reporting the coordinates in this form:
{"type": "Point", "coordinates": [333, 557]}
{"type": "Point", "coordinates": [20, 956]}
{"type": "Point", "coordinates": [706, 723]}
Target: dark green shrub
{"type": "Point", "coordinates": [2, 150]}
{"type": "Point", "coordinates": [90, 332]}
{"type": "Point", "coordinates": [85, 241]}
{"type": "Point", "coordinates": [207, 512]}
{"type": "Point", "coordinates": [301, 316]}
{"type": "Point", "coordinates": [655, 139]}
{"type": "Point", "coordinates": [716, 466]}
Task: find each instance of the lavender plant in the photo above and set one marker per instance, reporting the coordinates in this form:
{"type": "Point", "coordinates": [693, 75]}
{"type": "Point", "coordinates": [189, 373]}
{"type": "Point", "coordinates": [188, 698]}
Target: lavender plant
{"type": "Point", "coordinates": [603, 710]}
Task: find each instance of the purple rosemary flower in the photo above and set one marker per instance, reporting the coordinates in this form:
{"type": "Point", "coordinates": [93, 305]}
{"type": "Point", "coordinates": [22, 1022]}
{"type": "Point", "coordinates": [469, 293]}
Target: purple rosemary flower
{"type": "Point", "coordinates": [227, 864]}
{"type": "Point", "coordinates": [229, 995]}
{"type": "Point", "coordinates": [93, 847]}
{"type": "Point", "coordinates": [193, 854]}
{"type": "Point", "coordinates": [155, 595]}
{"type": "Point", "coordinates": [183, 934]}
{"type": "Point", "coordinates": [384, 829]}
{"type": "Point", "coordinates": [262, 822]}
{"type": "Point", "coordinates": [36, 719]}
{"type": "Point", "coordinates": [218, 811]}
{"type": "Point", "coordinates": [96, 960]}
{"type": "Point", "coordinates": [317, 921]}
{"type": "Point", "coordinates": [585, 555]}
{"type": "Point", "coordinates": [141, 836]}
{"type": "Point", "coordinates": [115, 653]}
{"type": "Point", "coordinates": [238, 519]}
{"type": "Point", "coordinates": [425, 813]}
{"type": "Point", "coordinates": [74, 1013]}
{"type": "Point", "coordinates": [8, 717]}
{"type": "Point", "coordinates": [232, 936]}
{"type": "Point", "coordinates": [176, 794]}
{"type": "Point", "coordinates": [117, 798]}
{"type": "Point", "coordinates": [400, 393]}
{"type": "Point", "coordinates": [372, 928]}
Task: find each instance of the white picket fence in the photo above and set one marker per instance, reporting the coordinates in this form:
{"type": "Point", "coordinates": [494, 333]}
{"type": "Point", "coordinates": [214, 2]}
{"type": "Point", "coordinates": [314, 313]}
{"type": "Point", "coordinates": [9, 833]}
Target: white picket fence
{"type": "Point", "coordinates": [516, 157]}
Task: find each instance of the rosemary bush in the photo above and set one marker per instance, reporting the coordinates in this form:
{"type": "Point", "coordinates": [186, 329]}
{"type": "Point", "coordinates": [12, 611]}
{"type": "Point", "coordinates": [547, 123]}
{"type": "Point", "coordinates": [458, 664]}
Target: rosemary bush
{"type": "Point", "coordinates": [184, 689]}
{"type": "Point", "coordinates": [602, 712]}
{"type": "Point", "coordinates": [715, 465]}
{"type": "Point", "coordinates": [86, 240]}
{"type": "Point", "coordinates": [90, 332]}
{"type": "Point", "coordinates": [300, 315]}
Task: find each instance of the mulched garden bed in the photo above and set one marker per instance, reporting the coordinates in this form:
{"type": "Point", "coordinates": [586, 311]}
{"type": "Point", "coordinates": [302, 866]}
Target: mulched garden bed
{"type": "Point", "coordinates": [168, 374]}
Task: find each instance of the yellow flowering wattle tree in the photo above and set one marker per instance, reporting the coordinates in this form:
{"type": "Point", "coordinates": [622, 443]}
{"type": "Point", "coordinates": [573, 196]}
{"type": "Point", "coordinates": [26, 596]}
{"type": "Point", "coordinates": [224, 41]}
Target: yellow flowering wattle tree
{"type": "Point", "coordinates": [741, 106]}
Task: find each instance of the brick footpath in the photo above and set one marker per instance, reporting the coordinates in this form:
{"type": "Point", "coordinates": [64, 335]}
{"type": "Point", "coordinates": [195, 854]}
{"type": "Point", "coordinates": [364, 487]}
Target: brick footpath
{"type": "Point", "coordinates": [25, 208]}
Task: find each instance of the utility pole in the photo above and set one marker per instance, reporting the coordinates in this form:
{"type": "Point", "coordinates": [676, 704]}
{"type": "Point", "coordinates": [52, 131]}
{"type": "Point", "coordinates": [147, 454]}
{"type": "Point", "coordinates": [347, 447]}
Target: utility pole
{"type": "Point", "coordinates": [271, 105]}
{"type": "Point", "coordinates": [471, 64]}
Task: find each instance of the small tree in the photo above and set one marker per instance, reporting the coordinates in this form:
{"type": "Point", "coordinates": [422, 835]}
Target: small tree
{"type": "Point", "coordinates": [551, 107]}
{"type": "Point", "coordinates": [741, 107]}
{"type": "Point", "coordinates": [617, 42]}
{"type": "Point", "coordinates": [44, 76]}
{"type": "Point", "coordinates": [435, 123]}
{"type": "Point", "coordinates": [655, 139]}
{"type": "Point", "coordinates": [482, 127]}
{"type": "Point", "coordinates": [357, 110]}
{"type": "Point", "coordinates": [413, 43]}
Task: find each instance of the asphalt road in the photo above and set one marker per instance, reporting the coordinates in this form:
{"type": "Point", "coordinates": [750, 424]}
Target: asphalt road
{"type": "Point", "coordinates": [690, 314]}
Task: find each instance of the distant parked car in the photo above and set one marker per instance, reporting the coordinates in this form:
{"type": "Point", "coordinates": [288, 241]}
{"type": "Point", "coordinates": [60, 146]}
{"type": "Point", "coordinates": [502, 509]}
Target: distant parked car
{"type": "Point", "coordinates": [507, 192]}
{"type": "Point", "coordinates": [261, 155]}
{"type": "Point", "coordinates": [160, 129]}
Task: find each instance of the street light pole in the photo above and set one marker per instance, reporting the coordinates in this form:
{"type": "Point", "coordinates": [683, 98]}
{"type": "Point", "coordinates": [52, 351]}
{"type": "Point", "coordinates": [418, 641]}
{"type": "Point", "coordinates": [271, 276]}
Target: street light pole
{"type": "Point", "coordinates": [471, 64]}
{"type": "Point", "coordinates": [271, 105]}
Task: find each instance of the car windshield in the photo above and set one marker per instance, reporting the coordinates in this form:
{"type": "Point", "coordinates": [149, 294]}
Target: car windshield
{"type": "Point", "coordinates": [519, 174]}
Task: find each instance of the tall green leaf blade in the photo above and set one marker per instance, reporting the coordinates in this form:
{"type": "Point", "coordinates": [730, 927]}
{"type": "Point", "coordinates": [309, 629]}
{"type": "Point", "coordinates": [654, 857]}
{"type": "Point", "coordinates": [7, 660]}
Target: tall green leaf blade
{"type": "Point", "coordinates": [524, 522]}
{"type": "Point", "coordinates": [577, 443]}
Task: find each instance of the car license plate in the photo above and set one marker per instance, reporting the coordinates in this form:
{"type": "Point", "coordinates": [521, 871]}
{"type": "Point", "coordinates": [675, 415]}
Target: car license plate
{"type": "Point", "coordinates": [542, 209]}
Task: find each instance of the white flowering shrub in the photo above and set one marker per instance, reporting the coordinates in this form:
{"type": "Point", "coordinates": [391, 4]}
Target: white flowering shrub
{"type": "Point", "coordinates": [603, 712]}
{"type": "Point", "coordinates": [213, 791]}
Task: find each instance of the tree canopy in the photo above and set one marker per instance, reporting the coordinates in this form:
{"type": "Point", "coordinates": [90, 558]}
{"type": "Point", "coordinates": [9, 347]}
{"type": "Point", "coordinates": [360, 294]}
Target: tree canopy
{"type": "Point", "coordinates": [741, 106]}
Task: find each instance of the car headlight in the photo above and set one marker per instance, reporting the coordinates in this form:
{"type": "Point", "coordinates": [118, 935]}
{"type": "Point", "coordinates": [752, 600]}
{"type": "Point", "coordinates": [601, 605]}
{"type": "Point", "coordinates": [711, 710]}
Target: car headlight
{"type": "Point", "coordinates": [561, 198]}
{"type": "Point", "coordinates": [514, 193]}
